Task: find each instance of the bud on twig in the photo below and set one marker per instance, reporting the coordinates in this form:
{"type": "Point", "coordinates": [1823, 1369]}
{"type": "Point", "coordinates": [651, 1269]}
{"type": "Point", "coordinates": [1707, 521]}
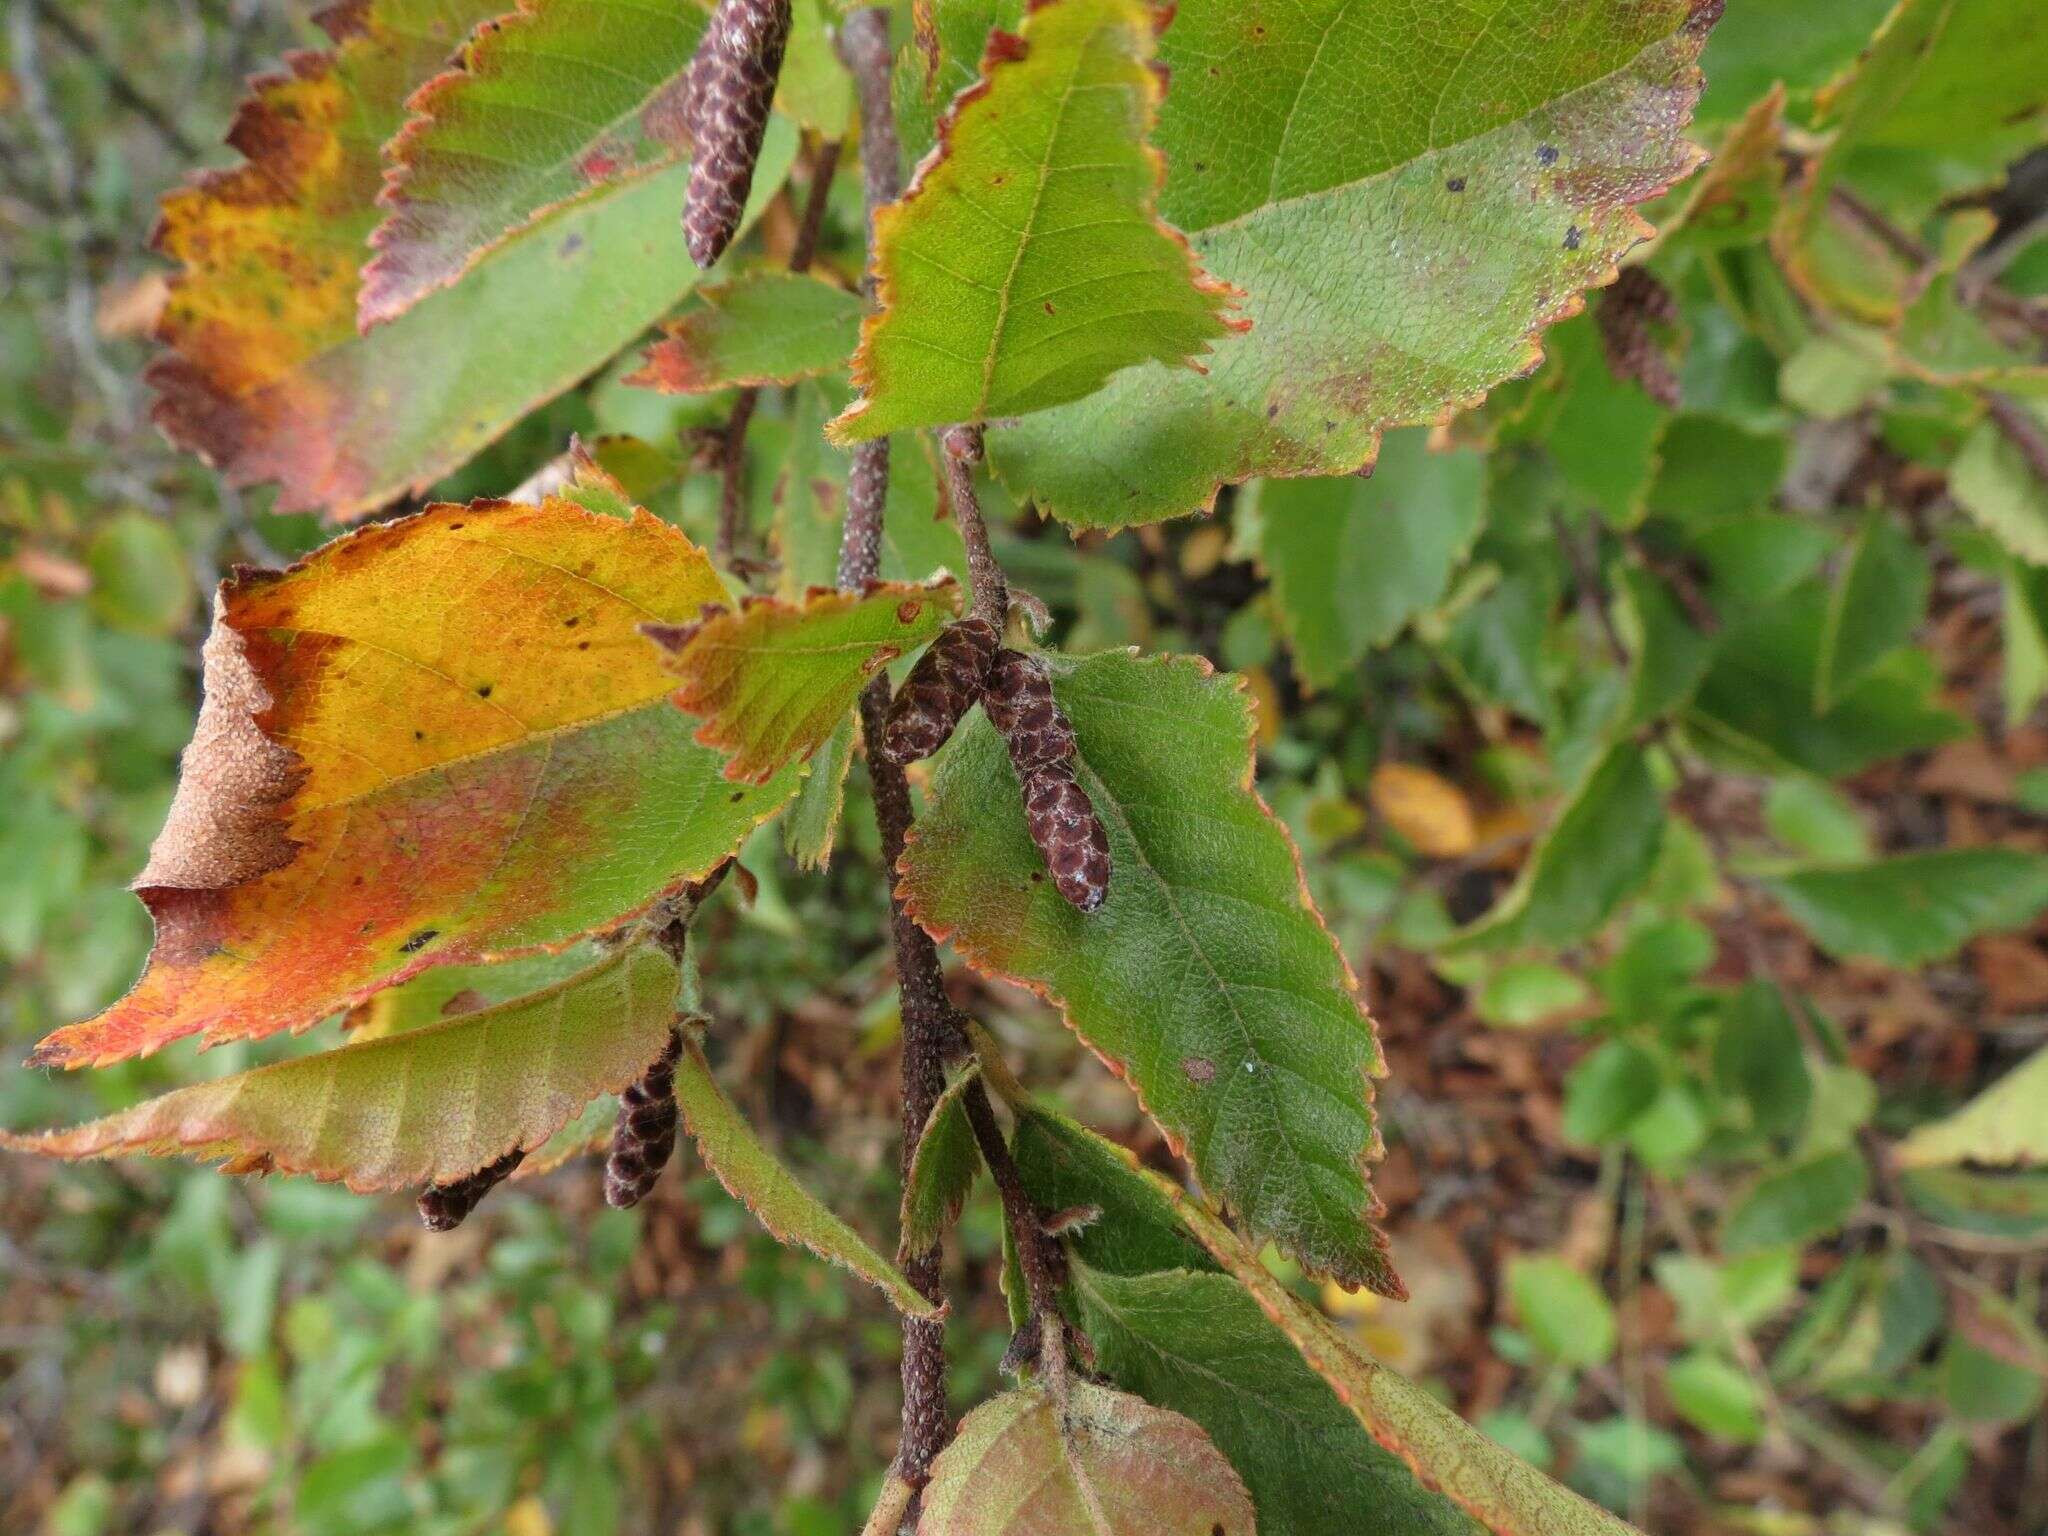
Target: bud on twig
{"type": "Point", "coordinates": [1063, 823]}
{"type": "Point", "coordinates": [730, 87]}
{"type": "Point", "coordinates": [940, 689]}
{"type": "Point", "coordinates": [444, 1207]}
{"type": "Point", "coordinates": [645, 1137]}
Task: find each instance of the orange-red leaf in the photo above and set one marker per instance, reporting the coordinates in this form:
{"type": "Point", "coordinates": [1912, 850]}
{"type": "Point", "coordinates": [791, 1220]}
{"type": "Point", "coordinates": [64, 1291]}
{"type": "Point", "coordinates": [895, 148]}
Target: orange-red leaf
{"type": "Point", "coordinates": [432, 741]}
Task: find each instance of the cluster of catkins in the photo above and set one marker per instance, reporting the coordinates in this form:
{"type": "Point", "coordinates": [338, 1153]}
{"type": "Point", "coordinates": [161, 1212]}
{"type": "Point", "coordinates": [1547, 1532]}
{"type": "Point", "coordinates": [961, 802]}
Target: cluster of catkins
{"type": "Point", "coordinates": [643, 1140]}
{"type": "Point", "coordinates": [726, 96]}
{"type": "Point", "coordinates": [967, 663]}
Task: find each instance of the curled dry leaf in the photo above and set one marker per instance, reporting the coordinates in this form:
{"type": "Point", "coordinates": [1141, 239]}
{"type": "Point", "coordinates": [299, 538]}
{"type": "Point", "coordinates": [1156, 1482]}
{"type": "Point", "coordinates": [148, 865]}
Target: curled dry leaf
{"type": "Point", "coordinates": [1101, 1463]}
{"type": "Point", "coordinates": [433, 741]}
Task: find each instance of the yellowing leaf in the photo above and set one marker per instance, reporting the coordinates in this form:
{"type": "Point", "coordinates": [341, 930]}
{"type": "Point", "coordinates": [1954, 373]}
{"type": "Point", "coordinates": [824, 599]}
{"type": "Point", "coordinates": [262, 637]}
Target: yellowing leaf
{"type": "Point", "coordinates": [751, 1174]}
{"type": "Point", "coordinates": [1103, 1463]}
{"type": "Point", "coordinates": [423, 1107]}
{"type": "Point", "coordinates": [774, 678]}
{"type": "Point", "coordinates": [2005, 1126]}
{"type": "Point", "coordinates": [1026, 264]}
{"type": "Point", "coordinates": [1428, 810]}
{"type": "Point", "coordinates": [432, 741]}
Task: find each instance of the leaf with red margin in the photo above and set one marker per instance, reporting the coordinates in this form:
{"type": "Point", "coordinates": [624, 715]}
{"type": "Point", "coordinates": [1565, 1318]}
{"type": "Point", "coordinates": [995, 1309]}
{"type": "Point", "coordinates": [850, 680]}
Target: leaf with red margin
{"type": "Point", "coordinates": [267, 378]}
{"type": "Point", "coordinates": [1207, 979]}
{"type": "Point", "coordinates": [422, 1107]}
{"type": "Point", "coordinates": [431, 742]}
{"type": "Point", "coordinates": [763, 328]}
{"type": "Point", "coordinates": [773, 679]}
{"type": "Point", "coordinates": [551, 104]}
{"type": "Point", "coordinates": [1027, 263]}
{"type": "Point", "coordinates": [1405, 195]}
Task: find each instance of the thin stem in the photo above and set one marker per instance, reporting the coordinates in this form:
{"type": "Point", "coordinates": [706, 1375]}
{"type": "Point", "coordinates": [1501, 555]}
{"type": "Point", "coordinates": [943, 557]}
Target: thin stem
{"type": "Point", "coordinates": [931, 1031]}
{"type": "Point", "coordinates": [1037, 1254]}
{"type": "Point", "coordinates": [984, 575]}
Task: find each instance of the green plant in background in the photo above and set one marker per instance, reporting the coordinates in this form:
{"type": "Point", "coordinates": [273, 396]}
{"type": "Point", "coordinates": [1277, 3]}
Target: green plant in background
{"type": "Point", "coordinates": [1621, 615]}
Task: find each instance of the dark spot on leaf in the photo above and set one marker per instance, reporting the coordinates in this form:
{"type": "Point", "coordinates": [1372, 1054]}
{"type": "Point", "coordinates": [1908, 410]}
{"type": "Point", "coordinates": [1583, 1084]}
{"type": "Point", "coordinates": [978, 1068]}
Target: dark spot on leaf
{"type": "Point", "coordinates": [419, 941]}
{"type": "Point", "coordinates": [1571, 238]}
{"type": "Point", "coordinates": [908, 610]}
{"type": "Point", "coordinates": [1049, 309]}
{"type": "Point", "coordinates": [419, 735]}
{"type": "Point", "coordinates": [1272, 411]}
{"type": "Point", "coordinates": [737, 796]}
{"type": "Point", "coordinates": [1546, 154]}
{"type": "Point", "coordinates": [571, 622]}
{"type": "Point", "coordinates": [569, 247]}
{"type": "Point", "coordinates": [484, 692]}
{"type": "Point", "coordinates": [1455, 184]}
{"type": "Point", "coordinates": [582, 645]}
{"type": "Point", "coordinates": [452, 527]}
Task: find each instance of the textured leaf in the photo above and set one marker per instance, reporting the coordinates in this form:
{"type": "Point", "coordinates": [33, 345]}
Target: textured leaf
{"type": "Point", "coordinates": [753, 1176]}
{"type": "Point", "coordinates": [1206, 979]}
{"type": "Point", "coordinates": [422, 1107]}
{"type": "Point", "coordinates": [1405, 197]}
{"type": "Point", "coordinates": [556, 102]}
{"type": "Point", "coordinates": [1602, 846]}
{"type": "Point", "coordinates": [268, 378]}
{"type": "Point", "coordinates": [1025, 264]}
{"type": "Point", "coordinates": [1102, 1463]}
{"type": "Point", "coordinates": [1993, 482]}
{"type": "Point", "coordinates": [812, 824]}
{"type": "Point", "coordinates": [918, 534]}
{"type": "Point", "coordinates": [449, 990]}
{"type": "Point", "coordinates": [764, 328]}
{"type": "Point", "coordinates": [1874, 609]}
{"type": "Point", "coordinates": [1353, 560]}
{"type": "Point", "coordinates": [772, 679]}
{"type": "Point", "coordinates": [432, 741]}
{"type": "Point", "coordinates": [942, 1173]}
{"type": "Point", "coordinates": [1915, 907]}
{"type": "Point", "coordinates": [2005, 1126]}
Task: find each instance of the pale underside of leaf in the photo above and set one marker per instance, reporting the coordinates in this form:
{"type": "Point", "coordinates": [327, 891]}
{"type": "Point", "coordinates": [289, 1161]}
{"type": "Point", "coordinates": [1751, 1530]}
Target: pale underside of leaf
{"type": "Point", "coordinates": [426, 1106]}
{"type": "Point", "coordinates": [2005, 1126]}
{"type": "Point", "coordinates": [753, 1176]}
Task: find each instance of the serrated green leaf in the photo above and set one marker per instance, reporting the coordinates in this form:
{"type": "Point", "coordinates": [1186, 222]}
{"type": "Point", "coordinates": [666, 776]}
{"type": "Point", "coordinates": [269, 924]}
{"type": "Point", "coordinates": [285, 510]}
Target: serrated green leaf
{"type": "Point", "coordinates": [943, 1170]}
{"type": "Point", "coordinates": [1915, 907]}
{"type": "Point", "coordinates": [1602, 846]}
{"type": "Point", "coordinates": [2004, 1126]}
{"type": "Point", "coordinates": [1025, 263]}
{"type": "Point", "coordinates": [1354, 560]}
{"type": "Point", "coordinates": [1992, 481]}
{"type": "Point", "coordinates": [426, 1106]}
{"type": "Point", "coordinates": [1874, 609]}
{"type": "Point", "coordinates": [811, 824]}
{"type": "Point", "coordinates": [1400, 230]}
{"type": "Point", "coordinates": [1206, 978]}
{"type": "Point", "coordinates": [752, 1175]}
{"type": "Point", "coordinates": [763, 328]}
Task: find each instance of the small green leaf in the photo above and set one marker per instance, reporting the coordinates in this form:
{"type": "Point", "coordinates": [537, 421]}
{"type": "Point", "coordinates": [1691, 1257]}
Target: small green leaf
{"type": "Point", "coordinates": [1760, 1059]}
{"type": "Point", "coordinates": [1668, 654]}
{"type": "Point", "coordinates": [422, 1107]}
{"type": "Point", "coordinates": [1992, 481]}
{"type": "Point", "coordinates": [1874, 609]}
{"type": "Point", "coordinates": [1813, 818]}
{"type": "Point", "coordinates": [1608, 1090]}
{"type": "Point", "coordinates": [141, 579]}
{"type": "Point", "coordinates": [1525, 993]}
{"type": "Point", "coordinates": [1915, 907]}
{"type": "Point", "coordinates": [1602, 846]}
{"type": "Point", "coordinates": [1798, 1204]}
{"type": "Point", "coordinates": [1354, 560]}
{"type": "Point", "coordinates": [1565, 1313]}
{"type": "Point", "coordinates": [1713, 1394]}
{"type": "Point", "coordinates": [2004, 1126]}
{"type": "Point", "coordinates": [1025, 263]}
{"type": "Point", "coordinates": [811, 824]}
{"type": "Point", "coordinates": [763, 328]}
{"type": "Point", "coordinates": [753, 1176]}
{"type": "Point", "coordinates": [943, 1171]}
{"type": "Point", "coordinates": [1980, 1388]}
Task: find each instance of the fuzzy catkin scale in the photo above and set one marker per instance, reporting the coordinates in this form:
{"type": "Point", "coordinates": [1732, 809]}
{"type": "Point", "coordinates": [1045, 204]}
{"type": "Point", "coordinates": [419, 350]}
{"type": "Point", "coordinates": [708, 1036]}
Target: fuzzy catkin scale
{"type": "Point", "coordinates": [941, 688]}
{"type": "Point", "coordinates": [1069, 835]}
{"type": "Point", "coordinates": [731, 85]}
{"type": "Point", "coordinates": [644, 1138]}
{"type": "Point", "coordinates": [444, 1207]}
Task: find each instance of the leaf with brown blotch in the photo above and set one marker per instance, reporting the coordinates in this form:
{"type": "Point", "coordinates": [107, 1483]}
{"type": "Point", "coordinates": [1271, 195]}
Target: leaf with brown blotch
{"type": "Point", "coordinates": [752, 1175]}
{"type": "Point", "coordinates": [433, 741]}
{"type": "Point", "coordinates": [425, 1107]}
{"type": "Point", "coordinates": [773, 678]}
{"type": "Point", "coordinates": [1101, 1463]}
{"type": "Point", "coordinates": [267, 377]}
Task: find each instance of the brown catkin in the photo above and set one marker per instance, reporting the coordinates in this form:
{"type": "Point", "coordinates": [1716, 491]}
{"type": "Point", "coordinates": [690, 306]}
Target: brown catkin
{"type": "Point", "coordinates": [731, 85]}
{"type": "Point", "coordinates": [1628, 313]}
{"type": "Point", "coordinates": [644, 1138]}
{"type": "Point", "coordinates": [1020, 704]}
{"type": "Point", "coordinates": [940, 689]}
{"type": "Point", "coordinates": [443, 1207]}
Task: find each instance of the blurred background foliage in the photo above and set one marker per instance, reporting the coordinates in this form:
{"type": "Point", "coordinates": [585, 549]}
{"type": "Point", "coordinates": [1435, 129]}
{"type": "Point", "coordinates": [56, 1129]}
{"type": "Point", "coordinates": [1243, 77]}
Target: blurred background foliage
{"type": "Point", "coordinates": [1678, 1027]}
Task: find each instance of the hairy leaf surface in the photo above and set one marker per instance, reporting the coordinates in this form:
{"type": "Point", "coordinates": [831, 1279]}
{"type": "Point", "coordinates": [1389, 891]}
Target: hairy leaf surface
{"type": "Point", "coordinates": [268, 379]}
{"type": "Point", "coordinates": [772, 679]}
{"type": "Point", "coordinates": [430, 742]}
{"type": "Point", "coordinates": [426, 1106]}
{"type": "Point", "coordinates": [1103, 1463]}
{"type": "Point", "coordinates": [753, 1176]}
{"type": "Point", "coordinates": [764, 328]}
{"type": "Point", "coordinates": [1404, 196]}
{"type": "Point", "coordinates": [1207, 979]}
{"type": "Point", "coordinates": [1025, 264]}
